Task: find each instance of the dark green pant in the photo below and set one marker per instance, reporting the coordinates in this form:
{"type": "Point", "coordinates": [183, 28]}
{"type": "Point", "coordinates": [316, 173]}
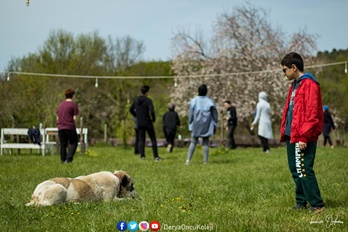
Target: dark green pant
{"type": "Point", "coordinates": [301, 168]}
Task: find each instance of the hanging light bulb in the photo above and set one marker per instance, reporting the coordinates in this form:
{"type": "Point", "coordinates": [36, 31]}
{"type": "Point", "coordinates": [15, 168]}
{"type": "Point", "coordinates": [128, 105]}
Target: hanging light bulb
{"type": "Point", "coordinates": [8, 76]}
{"type": "Point", "coordinates": [345, 69]}
{"type": "Point", "coordinates": [96, 82]}
{"type": "Point", "coordinates": [175, 82]}
{"type": "Point", "coordinates": [27, 2]}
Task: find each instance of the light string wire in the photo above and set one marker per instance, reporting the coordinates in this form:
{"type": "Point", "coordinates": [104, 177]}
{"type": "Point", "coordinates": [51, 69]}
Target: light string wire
{"type": "Point", "coordinates": [163, 77]}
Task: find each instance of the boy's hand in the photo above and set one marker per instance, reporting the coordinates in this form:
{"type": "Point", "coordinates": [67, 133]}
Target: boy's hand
{"type": "Point", "coordinates": [302, 145]}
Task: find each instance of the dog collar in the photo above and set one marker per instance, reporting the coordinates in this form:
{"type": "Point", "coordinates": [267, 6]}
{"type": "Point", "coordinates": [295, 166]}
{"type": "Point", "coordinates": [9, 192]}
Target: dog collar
{"type": "Point", "coordinates": [117, 175]}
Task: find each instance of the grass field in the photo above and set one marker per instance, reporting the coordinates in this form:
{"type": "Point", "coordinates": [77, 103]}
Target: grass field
{"type": "Point", "coordinates": [239, 190]}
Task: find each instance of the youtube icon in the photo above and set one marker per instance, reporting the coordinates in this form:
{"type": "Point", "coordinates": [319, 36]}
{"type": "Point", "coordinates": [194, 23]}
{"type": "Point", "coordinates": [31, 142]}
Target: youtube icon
{"type": "Point", "coordinates": [155, 226]}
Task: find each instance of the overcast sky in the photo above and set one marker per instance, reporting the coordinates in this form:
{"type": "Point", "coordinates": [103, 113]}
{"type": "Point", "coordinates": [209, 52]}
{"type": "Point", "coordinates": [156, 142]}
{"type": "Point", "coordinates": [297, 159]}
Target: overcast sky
{"type": "Point", "coordinates": [24, 29]}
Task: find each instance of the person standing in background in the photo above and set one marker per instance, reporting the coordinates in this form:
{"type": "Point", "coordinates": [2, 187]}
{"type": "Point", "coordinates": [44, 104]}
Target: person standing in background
{"type": "Point", "coordinates": [231, 117]}
{"type": "Point", "coordinates": [170, 123]}
{"type": "Point", "coordinates": [328, 125]}
{"type": "Point", "coordinates": [263, 117]}
{"type": "Point", "coordinates": [203, 121]}
{"type": "Point", "coordinates": [142, 108]}
{"type": "Point", "coordinates": [66, 122]}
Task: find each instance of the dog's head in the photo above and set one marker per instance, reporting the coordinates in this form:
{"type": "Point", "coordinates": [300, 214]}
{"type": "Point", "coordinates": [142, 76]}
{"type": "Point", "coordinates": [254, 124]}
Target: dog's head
{"type": "Point", "coordinates": [126, 185]}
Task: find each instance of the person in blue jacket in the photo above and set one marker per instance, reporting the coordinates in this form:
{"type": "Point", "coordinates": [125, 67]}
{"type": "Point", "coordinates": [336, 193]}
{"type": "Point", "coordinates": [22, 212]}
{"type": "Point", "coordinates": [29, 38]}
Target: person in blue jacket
{"type": "Point", "coordinates": [203, 121]}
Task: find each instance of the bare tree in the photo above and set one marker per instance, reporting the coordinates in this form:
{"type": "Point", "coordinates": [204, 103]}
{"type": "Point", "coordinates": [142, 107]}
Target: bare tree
{"type": "Point", "coordinates": [125, 52]}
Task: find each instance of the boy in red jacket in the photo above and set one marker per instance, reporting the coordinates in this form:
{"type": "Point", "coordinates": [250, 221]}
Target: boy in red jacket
{"type": "Point", "coordinates": [302, 123]}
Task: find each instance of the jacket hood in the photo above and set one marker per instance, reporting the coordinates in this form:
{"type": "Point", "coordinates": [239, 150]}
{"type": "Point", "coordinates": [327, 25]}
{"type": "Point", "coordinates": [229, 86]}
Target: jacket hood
{"type": "Point", "coordinates": [263, 96]}
{"type": "Point", "coordinates": [141, 100]}
{"type": "Point", "coordinates": [308, 76]}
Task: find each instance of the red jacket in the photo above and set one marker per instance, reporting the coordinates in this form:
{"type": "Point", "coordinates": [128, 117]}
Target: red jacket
{"type": "Point", "coordinates": [308, 119]}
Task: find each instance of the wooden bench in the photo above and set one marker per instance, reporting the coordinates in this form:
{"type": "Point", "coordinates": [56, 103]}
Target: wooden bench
{"type": "Point", "coordinates": [53, 131]}
{"type": "Point", "coordinates": [18, 145]}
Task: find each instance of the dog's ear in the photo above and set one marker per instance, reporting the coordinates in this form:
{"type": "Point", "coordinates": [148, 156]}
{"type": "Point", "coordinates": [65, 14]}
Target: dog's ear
{"type": "Point", "coordinates": [125, 179]}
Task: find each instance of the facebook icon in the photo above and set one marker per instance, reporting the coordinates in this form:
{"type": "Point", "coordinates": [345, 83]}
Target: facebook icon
{"type": "Point", "coordinates": [121, 225]}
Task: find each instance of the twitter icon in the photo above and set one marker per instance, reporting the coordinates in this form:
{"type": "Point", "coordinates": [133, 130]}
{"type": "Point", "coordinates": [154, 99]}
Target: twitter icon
{"type": "Point", "coordinates": [133, 226]}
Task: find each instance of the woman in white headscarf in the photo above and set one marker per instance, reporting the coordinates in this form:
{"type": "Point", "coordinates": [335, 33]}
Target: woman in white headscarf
{"type": "Point", "coordinates": [263, 117]}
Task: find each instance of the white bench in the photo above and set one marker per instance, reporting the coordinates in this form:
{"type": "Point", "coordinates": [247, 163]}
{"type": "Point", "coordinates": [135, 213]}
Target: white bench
{"type": "Point", "coordinates": [53, 131]}
{"type": "Point", "coordinates": [21, 132]}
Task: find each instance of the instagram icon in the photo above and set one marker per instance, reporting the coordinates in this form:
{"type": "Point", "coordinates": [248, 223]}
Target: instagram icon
{"type": "Point", "coordinates": [144, 226]}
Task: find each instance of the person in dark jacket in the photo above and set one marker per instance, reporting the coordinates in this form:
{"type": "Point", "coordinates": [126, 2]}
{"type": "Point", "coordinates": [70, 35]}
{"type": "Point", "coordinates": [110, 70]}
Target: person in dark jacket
{"type": "Point", "coordinates": [170, 123]}
{"type": "Point", "coordinates": [301, 125]}
{"type": "Point", "coordinates": [34, 135]}
{"type": "Point", "coordinates": [142, 108]}
{"type": "Point", "coordinates": [231, 117]}
{"type": "Point", "coordinates": [328, 125]}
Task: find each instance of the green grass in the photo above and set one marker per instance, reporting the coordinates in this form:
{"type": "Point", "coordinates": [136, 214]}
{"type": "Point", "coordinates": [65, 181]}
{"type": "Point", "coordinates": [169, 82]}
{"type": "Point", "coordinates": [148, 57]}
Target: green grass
{"type": "Point", "coordinates": [241, 190]}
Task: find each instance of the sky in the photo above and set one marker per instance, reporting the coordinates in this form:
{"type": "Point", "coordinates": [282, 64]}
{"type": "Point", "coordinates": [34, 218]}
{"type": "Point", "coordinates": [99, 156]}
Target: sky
{"type": "Point", "coordinates": [154, 22]}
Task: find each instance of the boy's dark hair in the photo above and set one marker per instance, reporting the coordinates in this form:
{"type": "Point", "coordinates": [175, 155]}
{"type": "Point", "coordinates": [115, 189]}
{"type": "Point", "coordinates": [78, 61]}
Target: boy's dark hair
{"type": "Point", "coordinates": [171, 106]}
{"type": "Point", "coordinates": [202, 90]}
{"type": "Point", "coordinates": [69, 93]}
{"type": "Point", "coordinates": [293, 58]}
{"type": "Point", "coordinates": [228, 102]}
{"type": "Point", "coordinates": [145, 89]}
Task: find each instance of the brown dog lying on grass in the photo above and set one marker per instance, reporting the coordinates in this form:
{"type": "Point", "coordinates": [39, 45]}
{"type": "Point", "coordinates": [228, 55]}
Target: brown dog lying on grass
{"type": "Point", "coordinates": [100, 186]}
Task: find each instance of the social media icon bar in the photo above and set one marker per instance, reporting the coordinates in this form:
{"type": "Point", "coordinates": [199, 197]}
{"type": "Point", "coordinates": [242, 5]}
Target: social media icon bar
{"type": "Point", "coordinates": [133, 226]}
{"type": "Point", "coordinates": [122, 226]}
{"type": "Point", "coordinates": [155, 226]}
{"type": "Point", "coordinates": [144, 226]}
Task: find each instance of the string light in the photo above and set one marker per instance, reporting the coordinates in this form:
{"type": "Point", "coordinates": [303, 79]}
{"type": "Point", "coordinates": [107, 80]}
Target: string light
{"type": "Point", "coordinates": [175, 82]}
{"type": "Point", "coordinates": [8, 76]}
{"type": "Point", "coordinates": [345, 69]}
{"type": "Point", "coordinates": [96, 82]}
{"type": "Point", "coordinates": [27, 2]}
{"type": "Point", "coordinates": [169, 77]}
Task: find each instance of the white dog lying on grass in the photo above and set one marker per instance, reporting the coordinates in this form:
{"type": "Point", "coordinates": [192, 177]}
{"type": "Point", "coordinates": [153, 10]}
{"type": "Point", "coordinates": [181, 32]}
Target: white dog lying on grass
{"type": "Point", "coordinates": [100, 186]}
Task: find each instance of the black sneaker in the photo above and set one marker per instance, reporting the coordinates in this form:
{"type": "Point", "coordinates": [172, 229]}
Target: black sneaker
{"type": "Point", "coordinates": [298, 207]}
{"type": "Point", "coordinates": [157, 159]}
{"type": "Point", "coordinates": [317, 210]}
